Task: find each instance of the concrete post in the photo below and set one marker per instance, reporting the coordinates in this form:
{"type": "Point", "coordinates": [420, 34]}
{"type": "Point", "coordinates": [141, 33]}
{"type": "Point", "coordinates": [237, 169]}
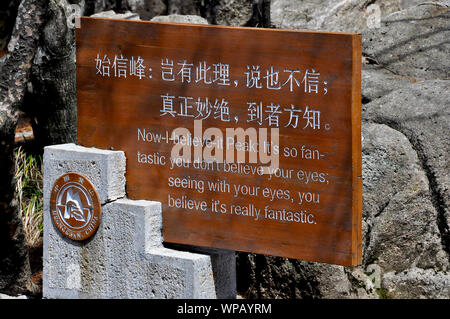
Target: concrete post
{"type": "Point", "coordinates": [125, 258]}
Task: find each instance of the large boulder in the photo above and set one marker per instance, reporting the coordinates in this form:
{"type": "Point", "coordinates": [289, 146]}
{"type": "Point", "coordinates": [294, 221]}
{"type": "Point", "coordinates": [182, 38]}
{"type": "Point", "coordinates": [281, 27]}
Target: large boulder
{"type": "Point", "coordinates": [182, 7]}
{"type": "Point", "coordinates": [426, 283]}
{"type": "Point", "coordinates": [178, 18]}
{"type": "Point", "coordinates": [111, 14]}
{"type": "Point", "coordinates": [376, 82]}
{"type": "Point", "coordinates": [421, 112]}
{"type": "Point", "coordinates": [412, 42]}
{"type": "Point", "coordinates": [147, 9]}
{"type": "Point", "coordinates": [330, 15]}
{"type": "Point", "coordinates": [233, 12]}
{"type": "Point", "coordinates": [354, 15]}
{"type": "Point", "coordinates": [403, 51]}
{"type": "Point", "coordinates": [223, 12]}
{"type": "Point", "coordinates": [401, 233]}
{"type": "Point", "coordinates": [401, 223]}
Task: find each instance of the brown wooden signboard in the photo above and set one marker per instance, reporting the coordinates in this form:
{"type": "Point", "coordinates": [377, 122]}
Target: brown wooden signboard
{"type": "Point", "coordinates": [294, 96]}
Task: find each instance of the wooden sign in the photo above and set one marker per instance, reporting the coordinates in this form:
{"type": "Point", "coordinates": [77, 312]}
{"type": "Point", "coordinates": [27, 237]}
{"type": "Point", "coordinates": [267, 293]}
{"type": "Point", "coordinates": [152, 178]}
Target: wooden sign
{"type": "Point", "coordinates": [278, 112]}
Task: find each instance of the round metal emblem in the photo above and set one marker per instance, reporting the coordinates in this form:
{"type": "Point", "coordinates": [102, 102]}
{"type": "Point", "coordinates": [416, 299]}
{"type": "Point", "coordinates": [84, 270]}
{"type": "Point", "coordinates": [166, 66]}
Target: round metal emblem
{"type": "Point", "coordinates": [75, 206]}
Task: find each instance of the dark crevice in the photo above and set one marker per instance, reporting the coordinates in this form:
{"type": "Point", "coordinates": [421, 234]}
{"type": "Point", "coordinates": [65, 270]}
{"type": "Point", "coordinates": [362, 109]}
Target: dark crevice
{"type": "Point", "coordinates": [383, 207]}
{"type": "Point", "coordinates": [369, 60]}
{"type": "Point", "coordinates": [8, 13]}
{"type": "Point", "coordinates": [261, 15]}
{"type": "Point", "coordinates": [368, 3]}
{"type": "Point", "coordinates": [260, 276]}
{"type": "Point", "coordinates": [365, 100]}
{"type": "Point", "coordinates": [367, 259]}
{"type": "Point", "coordinates": [109, 201]}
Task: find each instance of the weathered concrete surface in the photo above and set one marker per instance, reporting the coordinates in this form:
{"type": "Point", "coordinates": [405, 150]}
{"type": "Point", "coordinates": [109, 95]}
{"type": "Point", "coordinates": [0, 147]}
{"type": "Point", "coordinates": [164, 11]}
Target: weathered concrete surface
{"type": "Point", "coordinates": [105, 169]}
{"type": "Point", "coordinates": [126, 257]}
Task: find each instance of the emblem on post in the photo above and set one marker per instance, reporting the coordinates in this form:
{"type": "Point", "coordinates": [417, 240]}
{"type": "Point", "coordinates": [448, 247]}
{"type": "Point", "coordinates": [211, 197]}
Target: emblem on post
{"type": "Point", "coordinates": [75, 206]}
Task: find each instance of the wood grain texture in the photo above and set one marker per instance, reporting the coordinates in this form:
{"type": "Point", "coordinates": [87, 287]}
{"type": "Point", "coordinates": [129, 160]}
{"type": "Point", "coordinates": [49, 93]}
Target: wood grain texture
{"type": "Point", "coordinates": [112, 110]}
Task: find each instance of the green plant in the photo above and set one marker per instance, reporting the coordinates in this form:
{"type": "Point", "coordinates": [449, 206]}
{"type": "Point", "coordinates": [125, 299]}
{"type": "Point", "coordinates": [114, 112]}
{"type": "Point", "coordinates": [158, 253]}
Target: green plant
{"type": "Point", "coordinates": [382, 294]}
{"type": "Point", "coordinates": [29, 181]}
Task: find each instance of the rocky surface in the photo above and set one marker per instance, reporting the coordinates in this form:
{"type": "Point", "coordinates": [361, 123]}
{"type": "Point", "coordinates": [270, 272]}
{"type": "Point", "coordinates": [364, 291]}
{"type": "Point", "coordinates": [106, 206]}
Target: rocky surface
{"type": "Point", "coordinates": [401, 223]}
{"type": "Point", "coordinates": [426, 283]}
{"type": "Point", "coordinates": [331, 15]}
{"type": "Point", "coordinates": [3, 296]}
{"type": "Point", "coordinates": [405, 145]}
{"type": "Point", "coordinates": [376, 82]}
{"type": "Point", "coordinates": [177, 18]}
{"type": "Point", "coordinates": [111, 14]}
{"type": "Point", "coordinates": [412, 42]}
{"type": "Point", "coordinates": [421, 111]}
{"type": "Point", "coordinates": [182, 7]}
{"type": "Point", "coordinates": [233, 12]}
{"type": "Point", "coordinates": [147, 9]}
{"type": "Point", "coordinates": [405, 148]}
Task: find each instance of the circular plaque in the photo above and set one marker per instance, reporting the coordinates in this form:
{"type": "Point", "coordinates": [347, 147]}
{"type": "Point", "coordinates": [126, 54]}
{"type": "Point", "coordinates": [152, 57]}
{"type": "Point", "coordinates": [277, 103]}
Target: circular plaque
{"type": "Point", "coordinates": [75, 206]}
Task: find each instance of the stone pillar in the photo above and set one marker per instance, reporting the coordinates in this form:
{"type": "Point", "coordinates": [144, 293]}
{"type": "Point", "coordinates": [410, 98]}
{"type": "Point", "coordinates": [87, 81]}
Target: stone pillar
{"type": "Point", "coordinates": [125, 258]}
